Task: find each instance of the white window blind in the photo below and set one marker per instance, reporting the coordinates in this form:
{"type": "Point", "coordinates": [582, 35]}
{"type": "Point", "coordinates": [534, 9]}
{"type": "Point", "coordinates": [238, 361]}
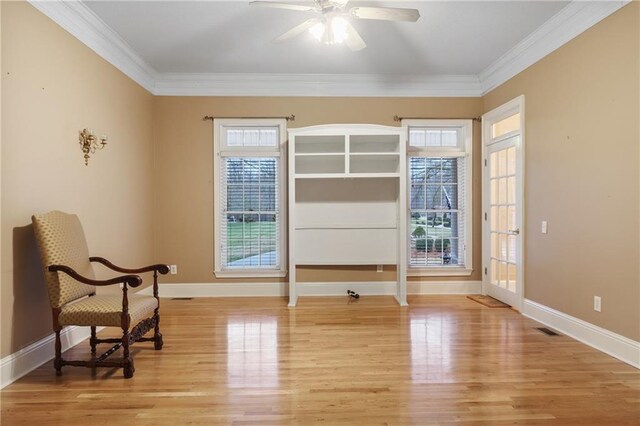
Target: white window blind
{"type": "Point", "coordinates": [440, 138]}
{"type": "Point", "coordinates": [251, 137]}
{"type": "Point", "coordinates": [250, 218]}
{"type": "Point", "coordinates": [437, 211]}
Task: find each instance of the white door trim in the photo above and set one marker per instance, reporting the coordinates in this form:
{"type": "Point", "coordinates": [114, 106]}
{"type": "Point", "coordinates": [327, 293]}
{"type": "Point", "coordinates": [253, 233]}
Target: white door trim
{"type": "Point", "coordinates": [506, 110]}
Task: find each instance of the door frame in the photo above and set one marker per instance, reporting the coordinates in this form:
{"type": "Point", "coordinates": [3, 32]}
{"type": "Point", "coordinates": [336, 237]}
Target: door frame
{"type": "Point", "coordinates": [508, 109]}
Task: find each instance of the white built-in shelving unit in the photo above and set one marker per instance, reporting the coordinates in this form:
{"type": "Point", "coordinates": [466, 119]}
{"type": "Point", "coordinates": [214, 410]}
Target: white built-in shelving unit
{"type": "Point", "coordinates": [347, 199]}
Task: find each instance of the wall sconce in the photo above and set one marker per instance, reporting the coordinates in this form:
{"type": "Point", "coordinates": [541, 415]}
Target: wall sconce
{"type": "Point", "coordinates": [90, 144]}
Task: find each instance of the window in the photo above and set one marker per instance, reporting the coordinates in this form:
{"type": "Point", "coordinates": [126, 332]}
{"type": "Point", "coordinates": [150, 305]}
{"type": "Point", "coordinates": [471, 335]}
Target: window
{"type": "Point", "coordinates": [508, 125]}
{"type": "Point", "coordinates": [439, 184]}
{"type": "Point", "coordinates": [249, 198]}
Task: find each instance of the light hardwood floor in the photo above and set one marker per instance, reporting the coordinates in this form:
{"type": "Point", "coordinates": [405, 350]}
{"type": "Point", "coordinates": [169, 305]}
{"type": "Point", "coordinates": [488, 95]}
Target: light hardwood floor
{"type": "Point", "coordinates": [442, 360]}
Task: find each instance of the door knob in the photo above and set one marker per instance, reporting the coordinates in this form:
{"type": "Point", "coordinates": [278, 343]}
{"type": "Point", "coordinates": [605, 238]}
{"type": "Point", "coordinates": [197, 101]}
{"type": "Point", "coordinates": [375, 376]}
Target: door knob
{"type": "Point", "coordinates": [514, 231]}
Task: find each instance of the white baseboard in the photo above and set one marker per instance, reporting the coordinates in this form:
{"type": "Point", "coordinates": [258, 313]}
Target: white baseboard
{"type": "Point", "coordinates": [617, 346]}
{"type": "Point", "coordinates": [16, 365]}
{"type": "Point", "coordinates": [381, 288]}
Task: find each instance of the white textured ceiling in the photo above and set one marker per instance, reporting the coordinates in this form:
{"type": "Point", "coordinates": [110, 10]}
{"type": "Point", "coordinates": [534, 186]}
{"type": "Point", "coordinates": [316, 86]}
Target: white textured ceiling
{"type": "Point", "coordinates": [452, 38]}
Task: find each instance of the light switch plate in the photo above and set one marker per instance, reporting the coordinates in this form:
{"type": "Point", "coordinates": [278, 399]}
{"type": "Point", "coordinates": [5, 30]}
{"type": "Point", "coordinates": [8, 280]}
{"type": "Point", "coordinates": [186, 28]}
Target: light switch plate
{"type": "Point", "coordinates": [597, 304]}
{"type": "Point", "coordinates": [544, 227]}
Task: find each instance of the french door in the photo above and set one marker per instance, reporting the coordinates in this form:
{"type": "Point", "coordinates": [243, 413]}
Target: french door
{"type": "Point", "coordinates": [503, 232]}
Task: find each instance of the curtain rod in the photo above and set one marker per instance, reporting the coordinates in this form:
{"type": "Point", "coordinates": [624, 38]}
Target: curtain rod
{"type": "Point", "coordinates": [288, 118]}
{"type": "Point", "coordinates": [398, 118]}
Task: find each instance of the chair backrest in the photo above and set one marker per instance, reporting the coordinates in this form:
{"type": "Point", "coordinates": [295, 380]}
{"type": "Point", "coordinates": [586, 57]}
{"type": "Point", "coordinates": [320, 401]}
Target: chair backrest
{"type": "Point", "coordinates": [61, 241]}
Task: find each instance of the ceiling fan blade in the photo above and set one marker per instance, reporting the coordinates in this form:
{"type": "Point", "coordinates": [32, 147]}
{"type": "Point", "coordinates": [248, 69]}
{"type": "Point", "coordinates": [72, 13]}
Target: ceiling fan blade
{"type": "Point", "coordinates": [297, 30]}
{"type": "Point", "coordinates": [385, 13]}
{"type": "Point", "coordinates": [354, 41]}
{"type": "Point", "coordinates": [299, 7]}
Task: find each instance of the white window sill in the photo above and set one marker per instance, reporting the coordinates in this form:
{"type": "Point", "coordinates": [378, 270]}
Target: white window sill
{"type": "Point", "coordinates": [259, 273]}
{"type": "Point", "coordinates": [439, 272]}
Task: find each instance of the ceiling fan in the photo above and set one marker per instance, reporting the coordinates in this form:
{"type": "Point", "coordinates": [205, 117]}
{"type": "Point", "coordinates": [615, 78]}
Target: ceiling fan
{"type": "Point", "coordinates": [333, 25]}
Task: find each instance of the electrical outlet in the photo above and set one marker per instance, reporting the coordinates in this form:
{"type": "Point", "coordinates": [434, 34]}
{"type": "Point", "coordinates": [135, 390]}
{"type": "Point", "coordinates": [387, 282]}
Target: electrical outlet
{"type": "Point", "coordinates": [597, 304]}
{"type": "Point", "coordinates": [380, 268]}
{"type": "Point", "coordinates": [173, 269]}
{"type": "Point", "coordinates": [545, 228]}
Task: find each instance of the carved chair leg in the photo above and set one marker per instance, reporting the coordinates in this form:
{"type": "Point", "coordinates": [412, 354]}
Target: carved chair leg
{"type": "Point", "coordinates": [57, 362]}
{"type": "Point", "coordinates": [157, 336]}
{"type": "Point", "coordinates": [92, 340]}
{"type": "Point", "coordinates": [127, 360]}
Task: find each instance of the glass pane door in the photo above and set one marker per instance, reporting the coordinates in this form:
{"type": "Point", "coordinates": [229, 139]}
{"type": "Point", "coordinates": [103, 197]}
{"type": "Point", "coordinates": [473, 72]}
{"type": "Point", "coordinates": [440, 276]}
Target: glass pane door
{"type": "Point", "coordinates": [503, 219]}
{"type": "Point", "coordinates": [503, 202]}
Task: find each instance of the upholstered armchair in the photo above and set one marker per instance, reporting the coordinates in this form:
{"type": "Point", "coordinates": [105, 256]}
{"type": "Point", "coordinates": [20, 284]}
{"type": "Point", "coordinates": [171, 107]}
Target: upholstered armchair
{"type": "Point", "coordinates": [72, 293]}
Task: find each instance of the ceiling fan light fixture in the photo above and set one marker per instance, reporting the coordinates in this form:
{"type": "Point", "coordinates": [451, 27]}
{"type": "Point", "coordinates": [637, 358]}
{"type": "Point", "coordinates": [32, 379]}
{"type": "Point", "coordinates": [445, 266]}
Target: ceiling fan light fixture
{"type": "Point", "coordinates": [332, 24]}
{"type": "Point", "coordinates": [339, 29]}
{"type": "Point", "coordinates": [335, 31]}
{"type": "Point", "coordinates": [318, 30]}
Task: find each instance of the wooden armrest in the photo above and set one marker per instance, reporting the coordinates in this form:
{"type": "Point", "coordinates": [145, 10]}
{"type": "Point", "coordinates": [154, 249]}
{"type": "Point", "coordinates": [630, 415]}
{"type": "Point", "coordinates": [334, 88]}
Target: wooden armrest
{"type": "Point", "coordinates": [163, 269]}
{"type": "Point", "coordinates": [131, 280]}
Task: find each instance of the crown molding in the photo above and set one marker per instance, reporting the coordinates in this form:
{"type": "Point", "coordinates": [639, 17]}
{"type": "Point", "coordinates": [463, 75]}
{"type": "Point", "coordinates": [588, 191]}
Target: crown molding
{"type": "Point", "coordinates": [82, 23]}
{"type": "Point", "coordinates": [575, 18]}
{"type": "Point", "coordinates": [316, 85]}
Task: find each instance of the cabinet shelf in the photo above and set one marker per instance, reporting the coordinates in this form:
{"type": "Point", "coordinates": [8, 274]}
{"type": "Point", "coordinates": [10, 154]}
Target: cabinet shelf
{"type": "Point", "coordinates": [320, 154]}
{"type": "Point", "coordinates": [343, 262]}
{"type": "Point", "coordinates": [320, 164]}
{"type": "Point", "coordinates": [318, 144]}
{"type": "Point", "coordinates": [374, 144]}
{"type": "Point", "coordinates": [373, 154]}
{"type": "Point", "coordinates": [346, 176]}
{"type": "Point", "coordinates": [347, 226]}
{"type": "Point", "coordinates": [374, 163]}
{"type": "Point", "coordinates": [325, 165]}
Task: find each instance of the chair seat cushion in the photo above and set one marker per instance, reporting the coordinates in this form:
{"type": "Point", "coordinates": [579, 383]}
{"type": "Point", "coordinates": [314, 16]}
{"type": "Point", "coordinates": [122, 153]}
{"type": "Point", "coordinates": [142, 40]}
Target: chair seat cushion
{"type": "Point", "coordinates": [105, 310]}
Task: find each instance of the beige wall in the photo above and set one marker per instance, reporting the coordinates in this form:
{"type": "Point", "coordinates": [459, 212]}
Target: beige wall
{"type": "Point", "coordinates": [184, 176]}
{"type": "Point", "coordinates": [53, 86]}
{"type": "Point", "coordinates": [582, 162]}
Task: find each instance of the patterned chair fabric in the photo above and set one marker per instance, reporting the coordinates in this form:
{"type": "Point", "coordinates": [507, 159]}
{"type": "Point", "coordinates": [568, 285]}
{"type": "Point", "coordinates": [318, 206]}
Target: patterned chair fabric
{"type": "Point", "coordinates": [61, 241]}
{"type": "Point", "coordinates": [106, 310]}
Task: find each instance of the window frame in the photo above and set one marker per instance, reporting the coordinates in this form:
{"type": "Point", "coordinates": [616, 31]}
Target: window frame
{"type": "Point", "coordinates": [463, 150]}
{"type": "Point", "coordinates": [221, 150]}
